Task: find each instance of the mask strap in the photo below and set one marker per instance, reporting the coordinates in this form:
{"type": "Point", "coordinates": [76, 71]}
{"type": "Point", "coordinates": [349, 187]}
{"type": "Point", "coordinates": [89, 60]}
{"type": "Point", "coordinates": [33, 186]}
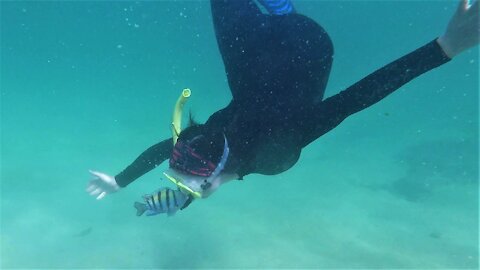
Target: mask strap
{"type": "Point", "coordinates": [220, 166]}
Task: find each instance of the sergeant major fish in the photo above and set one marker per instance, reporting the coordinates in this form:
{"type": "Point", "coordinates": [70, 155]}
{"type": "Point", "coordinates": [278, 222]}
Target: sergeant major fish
{"type": "Point", "coordinates": [164, 200]}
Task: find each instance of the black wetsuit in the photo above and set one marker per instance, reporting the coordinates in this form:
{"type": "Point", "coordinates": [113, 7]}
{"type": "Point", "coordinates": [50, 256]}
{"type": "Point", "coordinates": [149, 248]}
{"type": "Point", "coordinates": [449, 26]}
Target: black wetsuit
{"type": "Point", "coordinates": [277, 69]}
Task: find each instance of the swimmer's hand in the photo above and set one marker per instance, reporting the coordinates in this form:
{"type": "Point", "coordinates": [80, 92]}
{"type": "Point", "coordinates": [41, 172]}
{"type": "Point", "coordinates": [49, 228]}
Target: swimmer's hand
{"type": "Point", "coordinates": [463, 30]}
{"type": "Point", "coordinates": [101, 185]}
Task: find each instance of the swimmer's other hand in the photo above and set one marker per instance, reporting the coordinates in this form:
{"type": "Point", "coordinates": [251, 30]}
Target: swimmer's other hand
{"type": "Point", "coordinates": [101, 184]}
{"type": "Point", "coordinates": [463, 30]}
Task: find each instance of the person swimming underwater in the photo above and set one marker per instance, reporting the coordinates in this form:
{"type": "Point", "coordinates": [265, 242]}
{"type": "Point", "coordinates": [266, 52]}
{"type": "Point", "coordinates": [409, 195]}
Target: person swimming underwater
{"type": "Point", "coordinates": [277, 66]}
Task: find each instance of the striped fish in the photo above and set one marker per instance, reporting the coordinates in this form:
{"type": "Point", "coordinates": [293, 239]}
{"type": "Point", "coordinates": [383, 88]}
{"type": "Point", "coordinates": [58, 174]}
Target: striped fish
{"type": "Point", "coordinates": [164, 200]}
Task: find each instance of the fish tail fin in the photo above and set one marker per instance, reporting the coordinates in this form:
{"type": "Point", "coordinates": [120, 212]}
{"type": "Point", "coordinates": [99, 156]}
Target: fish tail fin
{"type": "Point", "coordinates": [141, 208]}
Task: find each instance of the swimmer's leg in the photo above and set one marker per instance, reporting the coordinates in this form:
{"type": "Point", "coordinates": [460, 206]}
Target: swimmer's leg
{"type": "Point", "coordinates": [235, 22]}
{"type": "Point", "coordinates": [239, 25]}
{"type": "Point", "coordinates": [234, 19]}
{"type": "Point", "coordinates": [283, 59]}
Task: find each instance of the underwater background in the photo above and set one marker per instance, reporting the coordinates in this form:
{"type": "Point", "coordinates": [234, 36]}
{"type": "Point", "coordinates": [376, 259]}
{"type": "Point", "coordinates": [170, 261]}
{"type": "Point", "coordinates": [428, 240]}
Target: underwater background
{"type": "Point", "coordinates": [90, 85]}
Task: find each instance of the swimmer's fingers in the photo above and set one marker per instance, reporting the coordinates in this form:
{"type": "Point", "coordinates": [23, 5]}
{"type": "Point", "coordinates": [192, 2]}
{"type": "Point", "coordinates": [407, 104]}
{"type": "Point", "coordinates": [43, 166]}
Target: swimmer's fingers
{"type": "Point", "coordinates": [101, 185]}
{"type": "Point", "coordinates": [472, 18]}
{"type": "Point", "coordinates": [96, 191]}
{"type": "Point", "coordinates": [467, 6]}
{"type": "Point", "coordinates": [101, 195]}
{"type": "Point", "coordinates": [463, 29]}
{"type": "Point", "coordinates": [470, 12]}
{"type": "Point", "coordinates": [91, 187]}
{"type": "Point", "coordinates": [474, 10]}
{"type": "Point", "coordinates": [462, 6]}
{"type": "Point", "coordinates": [98, 174]}
{"type": "Point", "coordinates": [107, 179]}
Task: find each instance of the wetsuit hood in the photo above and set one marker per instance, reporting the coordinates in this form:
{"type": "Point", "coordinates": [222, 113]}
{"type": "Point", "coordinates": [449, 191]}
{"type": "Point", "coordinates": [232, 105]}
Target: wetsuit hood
{"type": "Point", "coordinates": [198, 151]}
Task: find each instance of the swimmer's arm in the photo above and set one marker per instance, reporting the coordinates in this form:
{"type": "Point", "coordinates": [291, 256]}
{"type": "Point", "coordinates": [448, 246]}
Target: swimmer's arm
{"type": "Point", "coordinates": [386, 80]}
{"type": "Point", "coordinates": [461, 34]}
{"type": "Point", "coordinates": [102, 184]}
{"type": "Point", "coordinates": [148, 160]}
{"type": "Point", "coordinates": [371, 89]}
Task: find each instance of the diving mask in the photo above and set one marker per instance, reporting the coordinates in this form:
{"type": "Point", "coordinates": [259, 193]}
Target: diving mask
{"type": "Point", "coordinates": [196, 182]}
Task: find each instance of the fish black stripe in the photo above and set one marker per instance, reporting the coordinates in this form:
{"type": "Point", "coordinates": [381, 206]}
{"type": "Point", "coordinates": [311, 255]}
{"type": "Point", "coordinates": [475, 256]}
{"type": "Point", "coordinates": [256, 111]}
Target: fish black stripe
{"type": "Point", "coordinates": [174, 198]}
{"type": "Point", "coordinates": [153, 202]}
{"type": "Point", "coordinates": [168, 197]}
{"type": "Point", "coordinates": [159, 194]}
{"type": "Point", "coordinates": [148, 202]}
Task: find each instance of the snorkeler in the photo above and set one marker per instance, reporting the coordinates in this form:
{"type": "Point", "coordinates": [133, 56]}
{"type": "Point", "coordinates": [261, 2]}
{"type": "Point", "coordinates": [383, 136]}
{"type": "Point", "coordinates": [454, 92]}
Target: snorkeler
{"type": "Point", "coordinates": [277, 66]}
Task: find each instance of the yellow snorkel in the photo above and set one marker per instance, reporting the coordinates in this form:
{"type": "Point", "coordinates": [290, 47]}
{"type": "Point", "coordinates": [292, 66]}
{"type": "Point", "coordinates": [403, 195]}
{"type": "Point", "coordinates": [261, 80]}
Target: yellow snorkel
{"type": "Point", "coordinates": [176, 129]}
{"type": "Point", "coordinates": [177, 114]}
{"type": "Point", "coordinates": [183, 184]}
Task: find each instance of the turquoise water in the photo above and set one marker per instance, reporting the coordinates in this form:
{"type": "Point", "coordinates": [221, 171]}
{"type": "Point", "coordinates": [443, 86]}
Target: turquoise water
{"type": "Point", "coordinates": [90, 85]}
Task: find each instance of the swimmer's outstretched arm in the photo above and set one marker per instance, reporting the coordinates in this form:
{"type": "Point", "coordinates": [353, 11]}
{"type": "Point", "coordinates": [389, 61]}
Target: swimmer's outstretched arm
{"type": "Point", "coordinates": [103, 184]}
{"type": "Point", "coordinates": [462, 33]}
{"type": "Point", "coordinates": [148, 160]}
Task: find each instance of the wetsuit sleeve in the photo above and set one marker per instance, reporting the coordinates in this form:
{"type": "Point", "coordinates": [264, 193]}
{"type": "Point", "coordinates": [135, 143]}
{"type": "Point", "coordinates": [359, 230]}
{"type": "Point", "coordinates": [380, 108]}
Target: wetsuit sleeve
{"type": "Point", "coordinates": [148, 160]}
{"type": "Point", "coordinates": [373, 88]}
